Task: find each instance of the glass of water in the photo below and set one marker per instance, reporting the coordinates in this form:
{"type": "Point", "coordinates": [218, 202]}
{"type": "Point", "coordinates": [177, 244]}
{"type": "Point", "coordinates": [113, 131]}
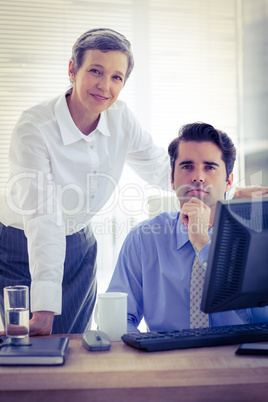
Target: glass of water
{"type": "Point", "coordinates": [16, 300]}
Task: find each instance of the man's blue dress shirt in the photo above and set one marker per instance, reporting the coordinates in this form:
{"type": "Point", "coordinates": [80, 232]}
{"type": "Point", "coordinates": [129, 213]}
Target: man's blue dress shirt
{"type": "Point", "coordinates": [154, 268]}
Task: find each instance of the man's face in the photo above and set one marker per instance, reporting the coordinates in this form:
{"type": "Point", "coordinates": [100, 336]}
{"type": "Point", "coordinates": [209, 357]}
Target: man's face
{"type": "Point", "coordinates": [200, 172]}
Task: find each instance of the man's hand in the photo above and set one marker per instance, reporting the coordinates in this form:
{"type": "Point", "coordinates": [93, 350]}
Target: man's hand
{"type": "Point", "coordinates": [195, 215]}
{"type": "Point", "coordinates": [41, 323]}
{"type": "Point", "coordinates": [250, 192]}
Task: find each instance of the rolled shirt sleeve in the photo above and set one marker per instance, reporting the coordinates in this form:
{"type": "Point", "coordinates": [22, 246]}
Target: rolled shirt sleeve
{"type": "Point", "coordinates": [32, 187]}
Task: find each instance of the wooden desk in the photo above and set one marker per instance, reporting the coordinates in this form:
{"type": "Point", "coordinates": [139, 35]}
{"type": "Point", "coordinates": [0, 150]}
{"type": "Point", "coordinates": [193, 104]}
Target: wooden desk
{"type": "Point", "coordinates": [126, 374]}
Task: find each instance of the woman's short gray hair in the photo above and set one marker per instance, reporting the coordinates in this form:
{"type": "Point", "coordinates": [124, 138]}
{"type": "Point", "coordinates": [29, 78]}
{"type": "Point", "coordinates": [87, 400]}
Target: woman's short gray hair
{"type": "Point", "coordinates": [102, 39]}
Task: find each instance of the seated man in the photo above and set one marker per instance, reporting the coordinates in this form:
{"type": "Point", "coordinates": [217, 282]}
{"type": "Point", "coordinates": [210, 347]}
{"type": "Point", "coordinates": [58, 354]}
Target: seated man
{"type": "Point", "coordinates": [155, 264]}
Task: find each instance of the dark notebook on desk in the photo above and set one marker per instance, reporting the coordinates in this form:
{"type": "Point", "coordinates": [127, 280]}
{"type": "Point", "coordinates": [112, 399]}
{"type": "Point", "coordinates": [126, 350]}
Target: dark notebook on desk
{"type": "Point", "coordinates": [198, 337]}
{"type": "Point", "coordinates": [42, 351]}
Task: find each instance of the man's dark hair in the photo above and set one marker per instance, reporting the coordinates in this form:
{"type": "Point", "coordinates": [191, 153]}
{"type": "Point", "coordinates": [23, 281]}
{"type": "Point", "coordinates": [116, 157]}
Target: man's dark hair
{"type": "Point", "coordinates": [202, 132]}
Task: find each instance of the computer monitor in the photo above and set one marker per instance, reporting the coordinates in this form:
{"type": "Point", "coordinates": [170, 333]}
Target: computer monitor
{"type": "Point", "coordinates": [237, 271]}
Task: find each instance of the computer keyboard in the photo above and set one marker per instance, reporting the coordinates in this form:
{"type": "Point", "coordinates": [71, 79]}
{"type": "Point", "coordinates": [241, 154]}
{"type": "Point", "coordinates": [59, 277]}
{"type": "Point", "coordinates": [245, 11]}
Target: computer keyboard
{"type": "Point", "coordinates": [195, 338]}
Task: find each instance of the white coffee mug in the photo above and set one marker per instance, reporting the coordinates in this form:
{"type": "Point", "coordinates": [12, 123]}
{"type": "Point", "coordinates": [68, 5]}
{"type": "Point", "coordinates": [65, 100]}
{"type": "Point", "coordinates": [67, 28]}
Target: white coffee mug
{"type": "Point", "coordinates": [111, 314]}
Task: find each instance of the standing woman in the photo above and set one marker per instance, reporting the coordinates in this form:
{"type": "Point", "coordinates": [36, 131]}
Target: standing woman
{"type": "Point", "coordinates": [66, 157]}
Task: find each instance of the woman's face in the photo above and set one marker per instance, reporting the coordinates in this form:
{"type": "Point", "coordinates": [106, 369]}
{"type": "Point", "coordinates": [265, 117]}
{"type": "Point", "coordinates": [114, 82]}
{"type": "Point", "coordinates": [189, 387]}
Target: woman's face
{"type": "Point", "coordinates": [98, 81]}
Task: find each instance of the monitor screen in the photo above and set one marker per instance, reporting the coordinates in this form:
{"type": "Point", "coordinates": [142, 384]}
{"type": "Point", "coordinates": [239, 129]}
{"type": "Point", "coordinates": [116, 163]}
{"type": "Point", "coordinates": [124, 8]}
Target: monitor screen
{"type": "Point", "coordinates": [237, 271]}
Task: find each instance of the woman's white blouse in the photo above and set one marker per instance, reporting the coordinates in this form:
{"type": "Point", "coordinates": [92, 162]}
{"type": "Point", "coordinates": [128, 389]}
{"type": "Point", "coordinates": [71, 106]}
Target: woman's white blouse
{"type": "Point", "coordinates": [60, 178]}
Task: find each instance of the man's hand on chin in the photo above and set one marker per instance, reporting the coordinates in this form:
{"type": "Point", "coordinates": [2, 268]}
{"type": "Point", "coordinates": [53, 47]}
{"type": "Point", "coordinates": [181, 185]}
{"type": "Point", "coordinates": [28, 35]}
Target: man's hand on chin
{"type": "Point", "coordinates": [195, 215]}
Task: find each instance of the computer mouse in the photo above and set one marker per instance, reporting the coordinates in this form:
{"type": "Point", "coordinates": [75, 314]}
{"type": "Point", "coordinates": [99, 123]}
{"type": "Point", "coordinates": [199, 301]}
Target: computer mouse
{"type": "Point", "coordinates": [96, 340]}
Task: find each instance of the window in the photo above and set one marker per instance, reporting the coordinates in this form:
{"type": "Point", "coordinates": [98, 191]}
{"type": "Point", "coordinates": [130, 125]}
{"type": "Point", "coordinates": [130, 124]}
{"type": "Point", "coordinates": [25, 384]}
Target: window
{"type": "Point", "coordinates": [255, 91]}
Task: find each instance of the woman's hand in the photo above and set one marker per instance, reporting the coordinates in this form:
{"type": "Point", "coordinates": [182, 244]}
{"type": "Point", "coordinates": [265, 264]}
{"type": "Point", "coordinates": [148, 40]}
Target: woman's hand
{"type": "Point", "coordinates": [250, 192]}
{"type": "Point", "coordinates": [41, 323]}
